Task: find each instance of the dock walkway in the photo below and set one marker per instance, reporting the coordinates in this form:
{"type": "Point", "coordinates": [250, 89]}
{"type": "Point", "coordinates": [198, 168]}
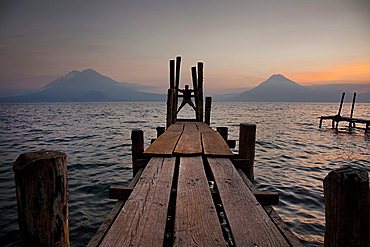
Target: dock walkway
{"type": "Point", "coordinates": [172, 203]}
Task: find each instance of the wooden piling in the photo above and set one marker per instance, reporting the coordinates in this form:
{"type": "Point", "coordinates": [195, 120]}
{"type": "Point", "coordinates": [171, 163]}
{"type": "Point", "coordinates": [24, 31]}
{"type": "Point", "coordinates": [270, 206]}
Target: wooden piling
{"type": "Point", "coordinates": [175, 94]}
{"type": "Point", "coordinates": [224, 132]}
{"type": "Point", "coordinates": [170, 96]}
{"type": "Point", "coordinates": [137, 138]}
{"type": "Point", "coordinates": [42, 198]}
{"type": "Point", "coordinates": [196, 92]}
{"type": "Point", "coordinates": [172, 74]}
{"type": "Point", "coordinates": [339, 111]}
{"type": "Point", "coordinates": [160, 131]}
{"type": "Point", "coordinates": [200, 92]}
{"type": "Point", "coordinates": [207, 115]}
{"type": "Point", "coordinates": [347, 209]}
{"type": "Point", "coordinates": [352, 124]}
{"type": "Point", "coordinates": [247, 146]}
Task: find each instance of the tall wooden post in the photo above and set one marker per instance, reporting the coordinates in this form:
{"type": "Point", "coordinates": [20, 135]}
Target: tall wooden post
{"type": "Point", "coordinates": [207, 116]}
{"type": "Point", "coordinates": [137, 138]}
{"type": "Point", "coordinates": [177, 84]}
{"type": "Point", "coordinates": [172, 74]}
{"type": "Point", "coordinates": [339, 111]}
{"type": "Point", "coordinates": [352, 109]}
{"type": "Point", "coordinates": [42, 198]}
{"type": "Point", "coordinates": [170, 105]}
{"type": "Point", "coordinates": [200, 91]}
{"type": "Point", "coordinates": [347, 209]}
{"type": "Point", "coordinates": [195, 88]}
{"type": "Point", "coordinates": [247, 147]}
{"type": "Point", "coordinates": [341, 103]}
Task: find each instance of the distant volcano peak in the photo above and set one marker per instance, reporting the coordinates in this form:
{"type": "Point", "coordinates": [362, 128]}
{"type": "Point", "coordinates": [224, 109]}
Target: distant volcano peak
{"type": "Point", "coordinates": [277, 76]}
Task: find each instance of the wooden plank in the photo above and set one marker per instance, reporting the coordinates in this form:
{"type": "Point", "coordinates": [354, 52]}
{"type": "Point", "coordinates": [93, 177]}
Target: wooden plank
{"type": "Point", "coordinates": [177, 127]}
{"type": "Point", "coordinates": [283, 227]}
{"type": "Point", "coordinates": [263, 197]}
{"type": "Point", "coordinates": [203, 127]}
{"type": "Point", "coordinates": [214, 145]}
{"type": "Point", "coordinates": [190, 141]}
{"type": "Point", "coordinates": [104, 227]}
{"type": "Point", "coordinates": [142, 220]}
{"type": "Point", "coordinates": [249, 223]}
{"type": "Point", "coordinates": [196, 222]}
{"type": "Point", "coordinates": [166, 143]}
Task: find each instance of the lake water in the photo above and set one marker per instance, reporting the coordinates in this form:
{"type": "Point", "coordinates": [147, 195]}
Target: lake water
{"type": "Point", "coordinates": [292, 155]}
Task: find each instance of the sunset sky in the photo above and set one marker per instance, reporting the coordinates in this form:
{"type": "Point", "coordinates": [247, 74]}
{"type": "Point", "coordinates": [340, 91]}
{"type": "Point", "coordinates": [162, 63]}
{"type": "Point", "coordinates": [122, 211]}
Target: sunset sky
{"type": "Point", "coordinates": [241, 42]}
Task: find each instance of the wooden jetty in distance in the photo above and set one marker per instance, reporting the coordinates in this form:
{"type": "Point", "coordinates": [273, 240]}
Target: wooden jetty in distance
{"type": "Point", "coordinates": [188, 189]}
{"type": "Point", "coordinates": [352, 122]}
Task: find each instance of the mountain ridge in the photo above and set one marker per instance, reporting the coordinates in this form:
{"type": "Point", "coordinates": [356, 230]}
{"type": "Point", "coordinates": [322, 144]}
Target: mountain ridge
{"type": "Point", "coordinates": [85, 85]}
{"type": "Point", "coordinates": [278, 88]}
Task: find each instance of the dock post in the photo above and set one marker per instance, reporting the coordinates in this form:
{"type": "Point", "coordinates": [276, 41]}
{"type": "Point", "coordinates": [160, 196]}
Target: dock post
{"type": "Point", "coordinates": [170, 103]}
{"type": "Point", "coordinates": [175, 94]}
{"type": "Point", "coordinates": [351, 125]}
{"type": "Point", "coordinates": [172, 74]}
{"type": "Point", "coordinates": [247, 146]}
{"type": "Point", "coordinates": [160, 131]}
{"type": "Point", "coordinates": [339, 111]}
{"type": "Point", "coordinates": [200, 91]}
{"type": "Point", "coordinates": [346, 192]}
{"type": "Point", "coordinates": [207, 115]}
{"type": "Point", "coordinates": [42, 198]}
{"type": "Point", "coordinates": [224, 132]}
{"type": "Point", "coordinates": [196, 92]}
{"type": "Point", "coordinates": [137, 138]}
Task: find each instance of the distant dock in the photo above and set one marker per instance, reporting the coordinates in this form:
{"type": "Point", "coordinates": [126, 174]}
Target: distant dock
{"type": "Point", "coordinates": [352, 122]}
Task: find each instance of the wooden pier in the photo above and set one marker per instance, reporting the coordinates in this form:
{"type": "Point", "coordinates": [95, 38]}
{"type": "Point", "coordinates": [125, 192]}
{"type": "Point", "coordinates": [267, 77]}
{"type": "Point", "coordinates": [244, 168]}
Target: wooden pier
{"type": "Point", "coordinates": [352, 122]}
{"type": "Point", "coordinates": [190, 189]}
{"type": "Point", "coordinates": [172, 203]}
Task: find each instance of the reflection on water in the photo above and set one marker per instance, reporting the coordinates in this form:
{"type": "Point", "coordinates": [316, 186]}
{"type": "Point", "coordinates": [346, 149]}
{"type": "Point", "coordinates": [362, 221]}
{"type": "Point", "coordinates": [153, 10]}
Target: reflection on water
{"type": "Point", "coordinates": [292, 155]}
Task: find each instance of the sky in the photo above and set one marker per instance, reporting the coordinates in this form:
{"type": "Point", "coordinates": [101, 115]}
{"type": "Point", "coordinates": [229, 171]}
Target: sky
{"type": "Point", "coordinates": [241, 42]}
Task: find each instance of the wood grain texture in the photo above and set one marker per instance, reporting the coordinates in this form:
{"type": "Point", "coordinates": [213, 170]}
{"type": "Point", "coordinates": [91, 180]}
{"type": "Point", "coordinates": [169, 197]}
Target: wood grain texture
{"type": "Point", "coordinates": [142, 220]}
{"type": "Point", "coordinates": [283, 227]}
{"type": "Point", "coordinates": [42, 198]}
{"type": "Point", "coordinates": [190, 141]}
{"type": "Point", "coordinates": [249, 223]}
{"type": "Point", "coordinates": [166, 143]}
{"type": "Point", "coordinates": [196, 222]}
{"type": "Point", "coordinates": [214, 145]}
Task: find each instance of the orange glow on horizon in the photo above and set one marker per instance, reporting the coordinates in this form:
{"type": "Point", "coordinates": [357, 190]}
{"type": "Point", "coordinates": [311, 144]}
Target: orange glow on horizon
{"type": "Point", "coordinates": [344, 72]}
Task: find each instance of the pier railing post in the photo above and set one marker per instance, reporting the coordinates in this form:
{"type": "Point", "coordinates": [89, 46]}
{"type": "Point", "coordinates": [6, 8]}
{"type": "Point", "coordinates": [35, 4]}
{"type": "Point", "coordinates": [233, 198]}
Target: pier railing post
{"type": "Point", "coordinates": [247, 146]}
{"type": "Point", "coordinates": [137, 138]}
{"type": "Point", "coordinates": [160, 131]}
{"type": "Point", "coordinates": [42, 198]}
{"type": "Point", "coordinates": [207, 114]}
{"type": "Point", "coordinates": [200, 92]}
{"type": "Point", "coordinates": [224, 132]}
{"type": "Point", "coordinates": [347, 209]}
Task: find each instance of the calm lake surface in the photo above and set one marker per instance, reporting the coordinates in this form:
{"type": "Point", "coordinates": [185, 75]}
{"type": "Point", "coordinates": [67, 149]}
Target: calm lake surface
{"type": "Point", "coordinates": [292, 155]}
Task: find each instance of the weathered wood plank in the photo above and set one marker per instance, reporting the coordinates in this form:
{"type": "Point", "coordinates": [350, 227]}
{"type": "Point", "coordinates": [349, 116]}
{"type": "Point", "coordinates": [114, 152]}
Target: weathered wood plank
{"type": "Point", "coordinates": [196, 222]}
{"type": "Point", "coordinates": [214, 145]}
{"type": "Point", "coordinates": [249, 223]}
{"type": "Point", "coordinates": [165, 144]}
{"type": "Point", "coordinates": [190, 141]}
{"type": "Point", "coordinates": [203, 127]}
{"type": "Point", "coordinates": [178, 126]}
{"type": "Point", "coordinates": [142, 220]}
{"type": "Point", "coordinates": [283, 227]}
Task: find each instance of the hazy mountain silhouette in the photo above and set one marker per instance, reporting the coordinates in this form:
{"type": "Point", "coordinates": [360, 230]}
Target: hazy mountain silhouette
{"type": "Point", "coordinates": [278, 88]}
{"type": "Point", "coordinates": [87, 85]}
